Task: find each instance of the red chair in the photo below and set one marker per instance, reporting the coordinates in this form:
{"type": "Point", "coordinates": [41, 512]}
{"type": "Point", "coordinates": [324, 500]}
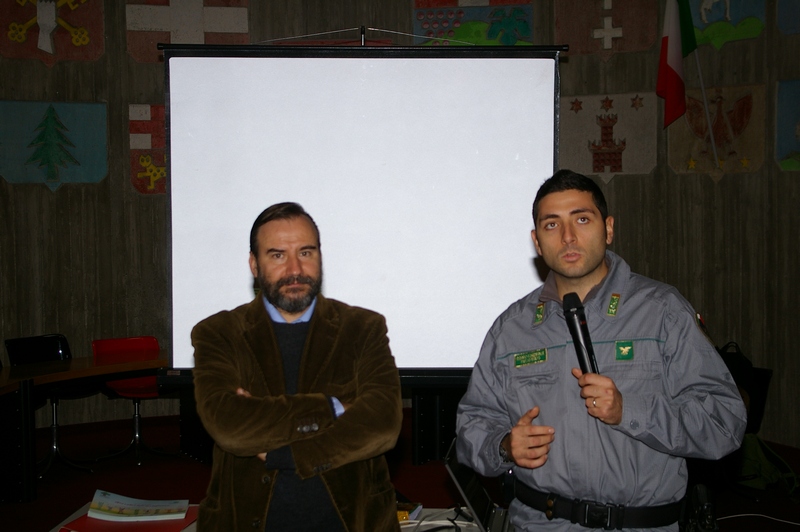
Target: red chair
{"type": "Point", "coordinates": [118, 350]}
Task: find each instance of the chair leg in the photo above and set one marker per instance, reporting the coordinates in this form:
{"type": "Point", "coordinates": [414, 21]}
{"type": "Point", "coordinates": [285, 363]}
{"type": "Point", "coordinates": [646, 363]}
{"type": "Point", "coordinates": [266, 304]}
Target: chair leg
{"type": "Point", "coordinates": [136, 444]}
{"type": "Point", "coordinates": [55, 449]}
{"type": "Point", "coordinates": [137, 436]}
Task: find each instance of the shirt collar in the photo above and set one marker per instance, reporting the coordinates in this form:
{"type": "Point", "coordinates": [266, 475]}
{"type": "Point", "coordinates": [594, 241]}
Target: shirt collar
{"type": "Point", "coordinates": [277, 317]}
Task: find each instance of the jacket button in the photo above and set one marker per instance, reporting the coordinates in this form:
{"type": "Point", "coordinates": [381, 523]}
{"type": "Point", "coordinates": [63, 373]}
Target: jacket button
{"type": "Point", "coordinates": [256, 523]}
{"type": "Point", "coordinates": [634, 424]}
{"type": "Point", "coordinates": [314, 427]}
{"type": "Point", "coordinates": [265, 479]}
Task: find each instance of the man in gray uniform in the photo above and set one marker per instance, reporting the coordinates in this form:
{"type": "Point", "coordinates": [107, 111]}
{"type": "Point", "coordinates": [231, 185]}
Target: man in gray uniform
{"type": "Point", "coordinates": [602, 450]}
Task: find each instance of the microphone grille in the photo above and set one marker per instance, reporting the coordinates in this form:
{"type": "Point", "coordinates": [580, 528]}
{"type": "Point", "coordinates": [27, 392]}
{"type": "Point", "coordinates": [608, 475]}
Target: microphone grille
{"type": "Point", "coordinates": [572, 302]}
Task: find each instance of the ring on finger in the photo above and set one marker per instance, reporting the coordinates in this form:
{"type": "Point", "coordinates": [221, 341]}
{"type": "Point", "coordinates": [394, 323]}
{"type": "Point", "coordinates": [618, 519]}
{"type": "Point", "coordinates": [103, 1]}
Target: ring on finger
{"type": "Point", "coordinates": [594, 403]}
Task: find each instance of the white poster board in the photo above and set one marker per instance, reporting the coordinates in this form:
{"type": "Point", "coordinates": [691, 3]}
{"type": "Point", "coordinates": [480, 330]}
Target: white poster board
{"type": "Point", "coordinates": [419, 167]}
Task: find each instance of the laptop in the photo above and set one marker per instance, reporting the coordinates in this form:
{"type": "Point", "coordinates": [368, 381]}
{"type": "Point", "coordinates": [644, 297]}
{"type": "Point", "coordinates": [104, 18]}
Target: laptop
{"type": "Point", "coordinates": [488, 516]}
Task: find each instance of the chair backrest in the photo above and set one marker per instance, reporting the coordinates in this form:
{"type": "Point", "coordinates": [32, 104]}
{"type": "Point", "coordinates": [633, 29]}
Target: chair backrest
{"type": "Point", "coordinates": [116, 350]}
{"type": "Point", "coordinates": [44, 348]}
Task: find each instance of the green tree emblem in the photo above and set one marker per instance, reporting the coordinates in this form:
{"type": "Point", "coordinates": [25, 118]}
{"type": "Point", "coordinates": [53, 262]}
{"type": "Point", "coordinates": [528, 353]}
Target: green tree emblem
{"type": "Point", "coordinates": [50, 145]}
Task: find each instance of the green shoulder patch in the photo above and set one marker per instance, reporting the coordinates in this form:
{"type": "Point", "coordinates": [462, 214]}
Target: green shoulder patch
{"type": "Point", "coordinates": [526, 358]}
{"type": "Point", "coordinates": [624, 350]}
{"type": "Point", "coordinates": [613, 304]}
{"type": "Point", "coordinates": [539, 318]}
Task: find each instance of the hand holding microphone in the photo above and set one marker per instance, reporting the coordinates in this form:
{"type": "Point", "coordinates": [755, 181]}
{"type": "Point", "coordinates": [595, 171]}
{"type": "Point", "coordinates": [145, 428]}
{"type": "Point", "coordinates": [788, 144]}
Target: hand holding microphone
{"type": "Point", "coordinates": [603, 399]}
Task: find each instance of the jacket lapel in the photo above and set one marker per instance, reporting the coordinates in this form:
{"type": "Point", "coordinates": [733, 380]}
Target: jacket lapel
{"type": "Point", "coordinates": [260, 338]}
{"type": "Point", "coordinates": [320, 344]}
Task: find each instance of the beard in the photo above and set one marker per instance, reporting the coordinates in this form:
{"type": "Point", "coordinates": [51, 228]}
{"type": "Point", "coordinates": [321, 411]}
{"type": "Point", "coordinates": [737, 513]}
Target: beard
{"type": "Point", "coordinates": [295, 301]}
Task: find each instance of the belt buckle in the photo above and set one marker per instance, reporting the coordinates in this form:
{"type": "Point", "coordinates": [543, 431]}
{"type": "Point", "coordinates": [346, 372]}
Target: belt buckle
{"type": "Point", "coordinates": [596, 515]}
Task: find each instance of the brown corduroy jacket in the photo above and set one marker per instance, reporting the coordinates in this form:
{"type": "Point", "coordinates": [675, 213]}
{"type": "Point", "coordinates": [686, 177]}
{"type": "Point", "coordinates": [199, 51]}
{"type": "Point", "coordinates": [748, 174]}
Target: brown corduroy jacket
{"type": "Point", "coordinates": [346, 356]}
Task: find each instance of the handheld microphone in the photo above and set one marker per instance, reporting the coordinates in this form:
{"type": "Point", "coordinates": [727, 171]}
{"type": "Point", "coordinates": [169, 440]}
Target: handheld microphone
{"type": "Point", "coordinates": [576, 321]}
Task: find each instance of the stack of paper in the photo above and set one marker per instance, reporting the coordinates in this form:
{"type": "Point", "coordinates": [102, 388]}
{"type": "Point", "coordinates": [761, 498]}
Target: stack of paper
{"type": "Point", "coordinates": [112, 507]}
{"type": "Point", "coordinates": [109, 512]}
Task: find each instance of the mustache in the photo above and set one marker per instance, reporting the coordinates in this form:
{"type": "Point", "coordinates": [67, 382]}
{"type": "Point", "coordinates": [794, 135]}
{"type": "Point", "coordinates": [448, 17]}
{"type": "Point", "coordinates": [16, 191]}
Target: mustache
{"type": "Point", "coordinates": [295, 279]}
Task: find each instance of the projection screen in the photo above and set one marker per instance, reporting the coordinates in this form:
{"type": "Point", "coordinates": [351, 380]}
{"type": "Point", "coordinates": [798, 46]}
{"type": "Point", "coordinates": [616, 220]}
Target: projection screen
{"type": "Point", "coordinates": [418, 165]}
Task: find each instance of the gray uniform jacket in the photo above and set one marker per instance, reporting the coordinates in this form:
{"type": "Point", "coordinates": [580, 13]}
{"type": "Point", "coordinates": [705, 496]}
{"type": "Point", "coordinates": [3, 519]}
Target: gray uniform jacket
{"type": "Point", "coordinates": [679, 399]}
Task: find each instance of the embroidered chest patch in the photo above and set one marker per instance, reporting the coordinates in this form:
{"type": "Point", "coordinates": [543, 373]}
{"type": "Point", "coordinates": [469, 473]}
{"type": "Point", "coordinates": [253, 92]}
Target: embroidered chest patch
{"type": "Point", "coordinates": [527, 358]}
{"type": "Point", "coordinates": [624, 350]}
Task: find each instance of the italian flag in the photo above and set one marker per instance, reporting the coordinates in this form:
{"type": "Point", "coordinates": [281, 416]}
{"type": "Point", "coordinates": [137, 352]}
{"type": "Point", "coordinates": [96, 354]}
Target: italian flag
{"type": "Point", "coordinates": [678, 42]}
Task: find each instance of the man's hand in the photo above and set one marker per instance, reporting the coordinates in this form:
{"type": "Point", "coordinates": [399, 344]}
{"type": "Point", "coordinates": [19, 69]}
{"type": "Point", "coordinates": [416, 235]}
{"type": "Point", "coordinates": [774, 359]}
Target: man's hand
{"type": "Point", "coordinates": [601, 396]}
{"type": "Point", "coordinates": [529, 444]}
{"type": "Point", "coordinates": [245, 393]}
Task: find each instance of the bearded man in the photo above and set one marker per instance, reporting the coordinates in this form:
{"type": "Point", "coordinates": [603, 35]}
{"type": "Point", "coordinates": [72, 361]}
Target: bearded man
{"type": "Point", "coordinates": [301, 395]}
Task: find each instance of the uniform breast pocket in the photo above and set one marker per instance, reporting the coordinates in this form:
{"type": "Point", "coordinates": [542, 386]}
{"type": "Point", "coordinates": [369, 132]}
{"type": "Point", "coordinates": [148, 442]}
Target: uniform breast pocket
{"type": "Point", "coordinates": [535, 379]}
{"type": "Point", "coordinates": [530, 386]}
{"type": "Point", "coordinates": [640, 377]}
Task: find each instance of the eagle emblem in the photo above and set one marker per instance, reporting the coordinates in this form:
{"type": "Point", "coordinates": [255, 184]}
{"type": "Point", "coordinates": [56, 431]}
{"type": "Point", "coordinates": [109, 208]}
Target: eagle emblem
{"type": "Point", "coordinates": [624, 350]}
{"type": "Point", "coordinates": [728, 121]}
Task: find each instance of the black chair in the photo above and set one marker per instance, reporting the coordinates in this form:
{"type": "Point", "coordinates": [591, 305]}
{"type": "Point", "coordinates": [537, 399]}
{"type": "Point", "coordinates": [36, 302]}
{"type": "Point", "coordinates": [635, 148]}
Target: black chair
{"type": "Point", "coordinates": [753, 385]}
{"type": "Point", "coordinates": [47, 348]}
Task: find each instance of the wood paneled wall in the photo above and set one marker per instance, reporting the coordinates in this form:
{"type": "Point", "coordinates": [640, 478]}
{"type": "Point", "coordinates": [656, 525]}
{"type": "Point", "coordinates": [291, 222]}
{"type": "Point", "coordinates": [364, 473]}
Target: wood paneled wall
{"type": "Point", "coordinates": [91, 260]}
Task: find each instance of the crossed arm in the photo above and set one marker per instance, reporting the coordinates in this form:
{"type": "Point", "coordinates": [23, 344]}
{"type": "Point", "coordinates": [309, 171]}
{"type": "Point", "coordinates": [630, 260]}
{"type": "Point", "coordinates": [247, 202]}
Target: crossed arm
{"type": "Point", "coordinates": [245, 418]}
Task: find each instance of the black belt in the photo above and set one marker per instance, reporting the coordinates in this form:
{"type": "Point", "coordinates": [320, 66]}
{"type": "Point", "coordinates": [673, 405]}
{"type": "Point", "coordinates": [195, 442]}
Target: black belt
{"type": "Point", "coordinates": [597, 515]}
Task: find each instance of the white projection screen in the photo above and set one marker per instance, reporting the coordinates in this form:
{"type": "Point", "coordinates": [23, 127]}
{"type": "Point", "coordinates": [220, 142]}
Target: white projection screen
{"type": "Point", "coordinates": [419, 166]}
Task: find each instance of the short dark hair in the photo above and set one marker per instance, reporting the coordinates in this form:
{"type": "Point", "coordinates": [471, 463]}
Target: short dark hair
{"type": "Point", "coordinates": [564, 180]}
{"type": "Point", "coordinates": [280, 211]}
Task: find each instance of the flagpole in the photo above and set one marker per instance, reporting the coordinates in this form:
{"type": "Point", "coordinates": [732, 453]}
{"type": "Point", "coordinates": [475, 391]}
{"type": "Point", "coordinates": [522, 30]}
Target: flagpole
{"type": "Point", "coordinates": [708, 115]}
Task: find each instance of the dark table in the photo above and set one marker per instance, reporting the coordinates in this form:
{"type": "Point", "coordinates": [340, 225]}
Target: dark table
{"type": "Point", "coordinates": [17, 425]}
